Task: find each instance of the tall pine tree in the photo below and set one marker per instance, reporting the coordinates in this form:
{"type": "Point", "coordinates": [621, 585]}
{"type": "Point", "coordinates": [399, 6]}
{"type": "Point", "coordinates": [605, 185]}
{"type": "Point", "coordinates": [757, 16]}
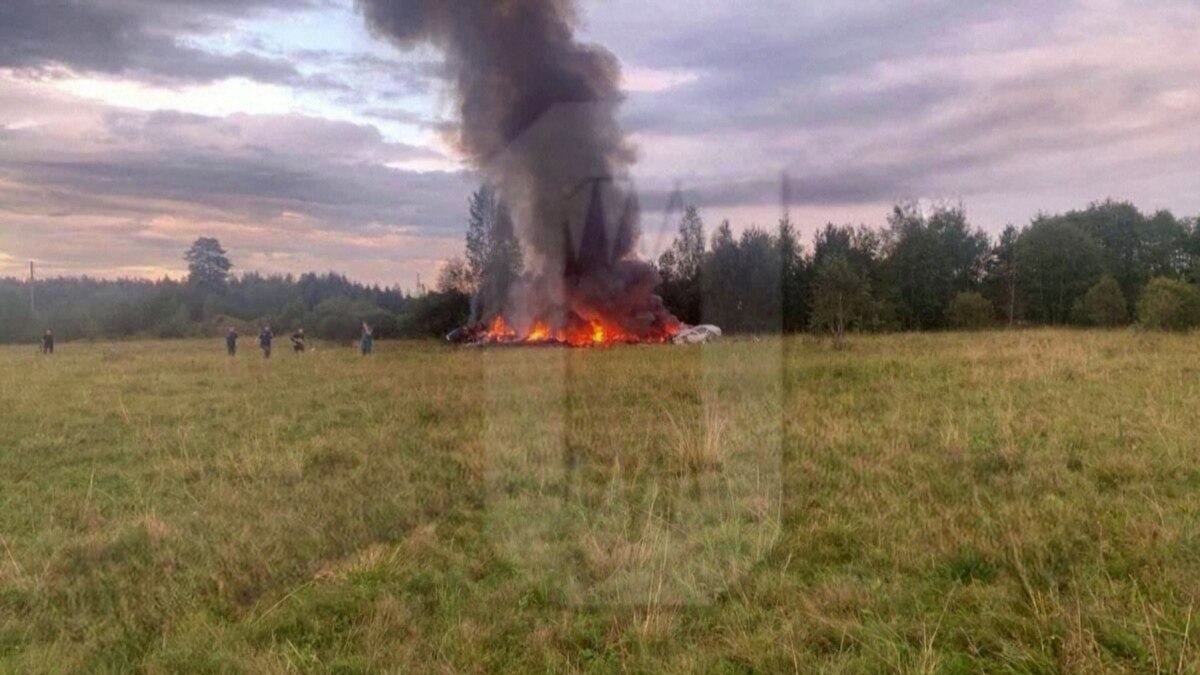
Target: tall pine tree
{"type": "Point", "coordinates": [494, 257]}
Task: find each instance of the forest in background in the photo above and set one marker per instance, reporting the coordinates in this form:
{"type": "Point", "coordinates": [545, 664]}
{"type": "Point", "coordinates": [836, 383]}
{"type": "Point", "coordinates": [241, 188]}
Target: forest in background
{"type": "Point", "coordinates": [929, 269]}
{"type": "Point", "coordinates": [328, 306]}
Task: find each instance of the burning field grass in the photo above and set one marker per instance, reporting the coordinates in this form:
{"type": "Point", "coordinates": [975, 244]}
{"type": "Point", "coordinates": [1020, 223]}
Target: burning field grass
{"type": "Point", "coordinates": [1020, 502]}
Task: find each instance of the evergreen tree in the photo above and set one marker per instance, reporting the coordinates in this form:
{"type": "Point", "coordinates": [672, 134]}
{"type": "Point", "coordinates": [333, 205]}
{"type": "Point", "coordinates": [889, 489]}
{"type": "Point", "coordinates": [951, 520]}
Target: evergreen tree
{"type": "Point", "coordinates": [861, 249]}
{"type": "Point", "coordinates": [681, 267]}
{"type": "Point", "coordinates": [481, 216]}
{"type": "Point", "coordinates": [720, 296]}
{"type": "Point", "coordinates": [208, 264]}
{"type": "Point", "coordinates": [689, 247]}
{"type": "Point", "coordinates": [930, 260]}
{"type": "Point", "coordinates": [494, 257]}
{"type": "Point", "coordinates": [759, 282]}
{"type": "Point", "coordinates": [793, 278]}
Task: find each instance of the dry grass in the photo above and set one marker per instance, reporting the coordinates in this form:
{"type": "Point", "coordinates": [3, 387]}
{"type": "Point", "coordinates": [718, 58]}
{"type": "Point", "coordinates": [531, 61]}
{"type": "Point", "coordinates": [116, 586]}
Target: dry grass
{"type": "Point", "coordinates": [1001, 503]}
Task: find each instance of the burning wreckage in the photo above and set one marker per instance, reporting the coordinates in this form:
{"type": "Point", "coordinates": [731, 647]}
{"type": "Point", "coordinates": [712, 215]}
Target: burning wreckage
{"type": "Point", "coordinates": [498, 333]}
{"type": "Point", "coordinates": [600, 295]}
{"type": "Point", "coordinates": [594, 333]}
{"type": "Point", "coordinates": [596, 293]}
{"type": "Point", "coordinates": [537, 118]}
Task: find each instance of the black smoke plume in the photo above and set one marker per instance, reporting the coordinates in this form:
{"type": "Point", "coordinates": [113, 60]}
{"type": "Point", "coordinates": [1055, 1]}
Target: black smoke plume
{"type": "Point", "coordinates": [537, 114]}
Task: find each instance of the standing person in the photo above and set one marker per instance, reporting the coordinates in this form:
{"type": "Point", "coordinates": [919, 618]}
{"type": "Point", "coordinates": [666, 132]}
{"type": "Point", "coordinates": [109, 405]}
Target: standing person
{"type": "Point", "coordinates": [368, 339]}
{"type": "Point", "coordinates": [264, 341]}
{"type": "Point", "coordinates": [231, 339]}
{"type": "Point", "coordinates": [48, 342]}
{"type": "Point", "coordinates": [298, 341]}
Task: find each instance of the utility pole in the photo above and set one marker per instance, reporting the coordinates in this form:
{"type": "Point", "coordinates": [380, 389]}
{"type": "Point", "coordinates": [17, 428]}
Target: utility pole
{"type": "Point", "coordinates": [32, 295]}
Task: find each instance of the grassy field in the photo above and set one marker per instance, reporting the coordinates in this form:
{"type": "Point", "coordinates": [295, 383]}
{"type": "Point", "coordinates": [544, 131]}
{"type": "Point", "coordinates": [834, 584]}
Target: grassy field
{"type": "Point", "coordinates": [992, 503]}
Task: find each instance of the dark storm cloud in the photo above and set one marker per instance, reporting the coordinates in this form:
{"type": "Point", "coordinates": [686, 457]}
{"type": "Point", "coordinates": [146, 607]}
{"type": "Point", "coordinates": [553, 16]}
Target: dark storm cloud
{"type": "Point", "coordinates": [96, 190]}
{"type": "Point", "coordinates": [340, 197]}
{"type": "Point", "coordinates": [247, 166]}
{"type": "Point", "coordinates": [351, 196]}
{"type": "Point", "coordinates": [137, 38]}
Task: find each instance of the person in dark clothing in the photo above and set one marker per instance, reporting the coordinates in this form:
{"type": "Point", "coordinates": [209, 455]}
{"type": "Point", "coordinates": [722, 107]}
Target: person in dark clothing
{"type": "Point", "coordinates": [48, 342]}
{"type": "Point", "coordinates": [264, 341]}
{"type": "Point", "coordinates": [368, 340]}
{"type": "Point", "coordinates": [298, 341]}
{"type": "Point", "coordinates": [231, 339]}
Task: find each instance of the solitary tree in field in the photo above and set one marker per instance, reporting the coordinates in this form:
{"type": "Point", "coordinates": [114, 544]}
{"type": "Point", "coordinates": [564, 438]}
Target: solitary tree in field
{"type": "Point", "coordinates": [841, 298]}
{"type": "Point", "coordinates": [208, 266]}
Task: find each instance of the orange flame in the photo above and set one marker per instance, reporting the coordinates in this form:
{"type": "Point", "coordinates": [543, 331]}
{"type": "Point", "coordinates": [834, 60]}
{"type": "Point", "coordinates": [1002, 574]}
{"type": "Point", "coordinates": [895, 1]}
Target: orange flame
{"type": "Point", "coordinates": [594, 333]}
{"type": "Point", "coordinates": [500, 329]}
{"type": "Point", "coordinates": [540, 333]}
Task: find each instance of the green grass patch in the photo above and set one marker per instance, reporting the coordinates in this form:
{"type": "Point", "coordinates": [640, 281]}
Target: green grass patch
{"type": "Point", "coordinates": [1019, 502]}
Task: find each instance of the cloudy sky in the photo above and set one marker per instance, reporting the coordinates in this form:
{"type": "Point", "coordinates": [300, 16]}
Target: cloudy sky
{"type": "Point", "coordinates": [284, 128]}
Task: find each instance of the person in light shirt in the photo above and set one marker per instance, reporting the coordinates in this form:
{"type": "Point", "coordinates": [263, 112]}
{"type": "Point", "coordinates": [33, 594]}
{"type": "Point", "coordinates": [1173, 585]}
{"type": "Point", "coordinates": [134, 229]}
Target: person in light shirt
{"type": "Point", "coordinates": [368, 340]}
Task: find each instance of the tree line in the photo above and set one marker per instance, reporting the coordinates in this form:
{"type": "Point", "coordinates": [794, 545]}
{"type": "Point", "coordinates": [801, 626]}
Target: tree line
{"type": "Point", "coordinates": [210, 299]}
{"type": "Point", "coordinates": [930, 269]}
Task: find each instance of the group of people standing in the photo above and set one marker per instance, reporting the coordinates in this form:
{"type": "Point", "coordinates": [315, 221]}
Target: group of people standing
{"type": "Point", "coordinates": [299, 343]}
{"type": "Point", "coordinates": [265, 339]}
